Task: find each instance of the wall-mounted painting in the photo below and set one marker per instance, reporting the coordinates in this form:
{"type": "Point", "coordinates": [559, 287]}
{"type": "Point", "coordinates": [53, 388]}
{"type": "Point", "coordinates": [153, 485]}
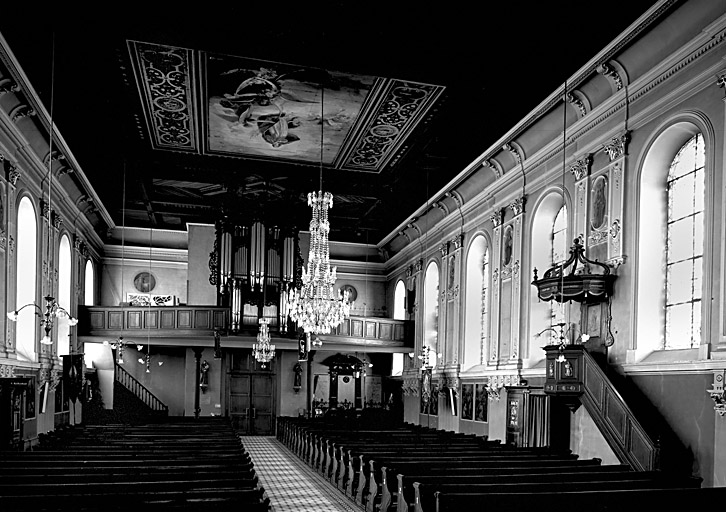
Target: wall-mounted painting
{"type": "Point", "coordinates": [467, 401]}
{"type": "Point", "coordinates": [481, 403]}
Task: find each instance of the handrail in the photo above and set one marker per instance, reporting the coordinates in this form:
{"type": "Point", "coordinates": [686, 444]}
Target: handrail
{"type": "Point", "coordinates": [139, 390]}
{"type": "Point", "coordinates": [625, 435]}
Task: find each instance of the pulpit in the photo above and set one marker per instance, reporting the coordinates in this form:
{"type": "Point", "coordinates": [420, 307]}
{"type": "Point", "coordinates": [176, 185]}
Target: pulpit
{"type": "Point", "coordinates": [564, 378]}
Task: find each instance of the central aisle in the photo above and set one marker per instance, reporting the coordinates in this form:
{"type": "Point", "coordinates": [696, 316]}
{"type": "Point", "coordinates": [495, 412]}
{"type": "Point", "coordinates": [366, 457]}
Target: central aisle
{"type": "Point", "coordinates": [290, 484]}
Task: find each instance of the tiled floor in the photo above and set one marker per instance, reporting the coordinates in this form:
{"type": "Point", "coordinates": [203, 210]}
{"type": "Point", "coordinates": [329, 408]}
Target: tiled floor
{"type": "Point", "coordinates": [290, 483]}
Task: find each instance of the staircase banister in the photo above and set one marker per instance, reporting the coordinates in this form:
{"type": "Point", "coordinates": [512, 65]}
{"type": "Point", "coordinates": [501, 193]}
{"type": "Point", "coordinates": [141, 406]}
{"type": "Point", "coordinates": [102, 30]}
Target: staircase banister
{"type": "Point", "coordinates": [152, 401]}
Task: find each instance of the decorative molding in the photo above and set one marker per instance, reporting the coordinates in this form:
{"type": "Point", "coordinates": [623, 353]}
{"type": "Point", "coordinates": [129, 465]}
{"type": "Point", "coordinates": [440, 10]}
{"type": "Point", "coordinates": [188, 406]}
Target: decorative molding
{"type": "Point", "coordinates": [497, 217]}
{"type": "Point", "coordinates": [57, 221]}
{"type": "Point", "coordinates": [56, 156]}
{"type": "Point", "coordinates": [617, 147]}
{"type": "Point", "coordinates": [419, 265]}
{"type": "Point", "coordinates": [577, 102]}
{"type": "Point", "coordinates": [721, 80]}
{"type": "Point", "coordinates": [581, 167]}
{"type": "Point", "coordinates": [444, 248]}
{"type": "Point", "coordinates": [514, 151]}
{"type": "Point", "coordinates": [456, 197]}
{"type": "Point", "coordinates": [7, 371]}
{"type": "Point", "coordinates": [11, 244]}
{"type": "Point", "coordinates": [22, 111]}
{"type": "Point", "coordinates": [3, 239]}
{"type": "Point", "coordinates": [441, 206]}
{"type": "Point", "coordinates": [7, 86]}
{"type": "Point", "coordinates": [13, 174]}
{"type": "Point", "coordinates": [493, 166]}
{"type": "Point", "coordinates": [457, 241]}
{"type": "Point", "coordinates": [608, 71]}
{"type": "Point", "coordinates": [517, 205]}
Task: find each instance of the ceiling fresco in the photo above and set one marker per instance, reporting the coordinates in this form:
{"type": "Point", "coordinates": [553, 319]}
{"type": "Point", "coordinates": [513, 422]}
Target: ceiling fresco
{"type": "Point", "coordinates": [223, 105]}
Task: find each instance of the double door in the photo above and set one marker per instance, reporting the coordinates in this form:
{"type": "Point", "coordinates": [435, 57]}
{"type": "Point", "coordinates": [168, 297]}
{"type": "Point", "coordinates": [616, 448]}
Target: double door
{"type": "Point", "coordinates": [251, 402]}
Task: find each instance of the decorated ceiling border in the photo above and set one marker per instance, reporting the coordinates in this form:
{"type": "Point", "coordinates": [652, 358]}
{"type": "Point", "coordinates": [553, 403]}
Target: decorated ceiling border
{"type": "Point", "coordinates": [384, 128]}
{"type": "Point", "coordinates": [165, 77]}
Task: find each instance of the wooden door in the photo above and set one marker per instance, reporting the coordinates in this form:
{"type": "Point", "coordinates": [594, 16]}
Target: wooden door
{"type": "Point", "coordinates": [239, 401]}
{"type": "Point", "coordinates": [251, 395]}
{"type": "Point", "coordinates": [261, 397]}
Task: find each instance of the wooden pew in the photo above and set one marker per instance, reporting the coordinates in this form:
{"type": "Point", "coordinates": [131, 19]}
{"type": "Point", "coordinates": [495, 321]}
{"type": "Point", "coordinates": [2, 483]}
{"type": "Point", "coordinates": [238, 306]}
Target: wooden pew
{"type": "Point", "coordinates": [632, 500]}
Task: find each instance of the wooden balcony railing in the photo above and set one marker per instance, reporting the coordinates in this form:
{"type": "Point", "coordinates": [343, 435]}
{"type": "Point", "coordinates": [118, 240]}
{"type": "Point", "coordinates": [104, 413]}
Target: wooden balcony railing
{"type": "Point", "coordinates": [160, 320]}
{"type": "Point", "coordinates": [179, 321]}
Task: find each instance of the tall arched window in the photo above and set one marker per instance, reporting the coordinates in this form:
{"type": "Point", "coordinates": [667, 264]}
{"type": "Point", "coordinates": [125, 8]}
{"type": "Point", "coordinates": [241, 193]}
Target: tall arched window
{"type": "Point", "coordinates": [476, 313]}
{"type": "Point", "coordinates": [399, 301]}
{"type": "Point", "coordinates": [672, 219]}
{"type": "Point", "coordinates": [64, 292]}
{"type": "Point", "coordinates": [431, 310]}
{"type": "Point", "coordinates": [88, 298]}
{"type": "Point", "coordinates": [559, 256]}
{"type": "Point", "coordinates": [684, 258]}
{"type": "Point", "coordinates": [25, 272]}
{"type": "Point", "coordinates": [550, 245]}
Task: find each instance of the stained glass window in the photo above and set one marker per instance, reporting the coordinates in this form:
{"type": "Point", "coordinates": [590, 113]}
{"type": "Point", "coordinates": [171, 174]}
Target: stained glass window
{"type": "Point", "coordinates": [684, 254]}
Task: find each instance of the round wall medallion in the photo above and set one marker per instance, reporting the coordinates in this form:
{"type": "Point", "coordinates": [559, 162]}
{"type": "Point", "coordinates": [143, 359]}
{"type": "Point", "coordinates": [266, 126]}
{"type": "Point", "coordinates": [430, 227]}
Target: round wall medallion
{"type": "Point", "coordinates": [351, 291]}
{"type": "Point", "coordinates": [144, 282]}
{"type": "Point", "coordinates": [346, 379]}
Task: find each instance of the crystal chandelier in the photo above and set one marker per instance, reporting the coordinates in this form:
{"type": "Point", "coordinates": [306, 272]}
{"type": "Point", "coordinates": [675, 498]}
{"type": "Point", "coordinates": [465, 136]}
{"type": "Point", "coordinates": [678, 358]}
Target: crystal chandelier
{"type": "Point", "coordinates": [263, 351]}
{"type": "Point", "coordinates": [315, 306]}
{"type": "Point", "coordinates": [52, 310]}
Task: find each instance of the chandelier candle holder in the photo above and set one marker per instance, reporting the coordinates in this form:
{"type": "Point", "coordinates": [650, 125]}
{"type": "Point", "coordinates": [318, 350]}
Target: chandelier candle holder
{"type": "Point", "coordinates": [117, 345]}
{"type": "Point", "coordinates": [263, 350]}
{"type": "Point", "coordinates": [52, 310]}
{"type": "Point", "coordinates": [316, 307]}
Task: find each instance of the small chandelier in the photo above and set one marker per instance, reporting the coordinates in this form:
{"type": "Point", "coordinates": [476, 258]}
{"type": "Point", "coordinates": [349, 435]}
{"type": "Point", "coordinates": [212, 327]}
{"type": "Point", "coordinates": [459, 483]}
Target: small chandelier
{"type": "Point", "coordinates": [118, 345]}
{"type": "Point", "coordinates": [263, 351]}
{"type": "Point", "coordinates": [580, 286]}
{"type": "Point", "coordinates": [52, 310]}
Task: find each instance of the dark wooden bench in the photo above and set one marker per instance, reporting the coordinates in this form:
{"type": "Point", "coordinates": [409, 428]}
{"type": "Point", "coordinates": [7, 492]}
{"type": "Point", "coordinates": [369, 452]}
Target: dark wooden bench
{"type": "Point", "coordinates": [633, 500]}
{"type": "Point", "coordinates": [397, 488]}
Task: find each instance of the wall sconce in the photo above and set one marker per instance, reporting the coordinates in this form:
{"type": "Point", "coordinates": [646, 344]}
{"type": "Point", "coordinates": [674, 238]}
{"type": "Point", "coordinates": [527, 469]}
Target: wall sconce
{"type": "Point", "coordinates": [717, 393]}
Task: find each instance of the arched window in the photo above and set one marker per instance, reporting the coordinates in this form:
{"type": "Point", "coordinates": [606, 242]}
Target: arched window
{"type": "Point", "coordinates": [64, 293]}
{"type": "Point", "coordinates": [550, 245]}
{"type": "Point", "coordinates": [399, 301]}
{"type": "Point", "coordinates": [684, 255]}
{"type": "Point", "coordinates": [671, 243]}
{"type": "Point", "coordinates": [476, 315]}
{"type": "Point", "coordinates": [88, 298]}
{"type": "Point", "coordinates": [559, 256]}
{"type": "Point", "coordinates": [431, 310]}
{"type": "Point", "coordinates": [25, 272]}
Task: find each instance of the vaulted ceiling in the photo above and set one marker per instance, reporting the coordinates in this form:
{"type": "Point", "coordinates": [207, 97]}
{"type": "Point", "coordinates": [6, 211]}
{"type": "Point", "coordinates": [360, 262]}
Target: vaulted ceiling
{"type": "Point", "coordinates": [177, 117]}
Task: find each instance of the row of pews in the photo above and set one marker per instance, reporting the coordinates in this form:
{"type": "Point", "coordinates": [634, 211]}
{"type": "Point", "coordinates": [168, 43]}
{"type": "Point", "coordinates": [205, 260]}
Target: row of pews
{"type": "Point", "coordinates": [177, 464]}
{"type": "Point", "coordinates": [412, 468]}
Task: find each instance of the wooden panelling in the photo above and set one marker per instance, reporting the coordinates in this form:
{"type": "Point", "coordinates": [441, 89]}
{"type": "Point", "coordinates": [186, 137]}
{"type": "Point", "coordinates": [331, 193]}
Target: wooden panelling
{"type": "Point", "coordinates": [115, 319]}
{"type": "Point", "coordinates": [97, 319]}
{"type": "Point", "coordinates": [202, 319]}
{"type": "Point", "coordinates": [133, 320]}
{"type": "Point", "coordinates": [370, 329]}
{"type": "Point", "coordinates": [615, 415]}
{"type": "Point", "coordinates": [399, 331]}
{"type": "Point", "coordinates": [640, 447]}
{"type": "Point", "coordinates": [168, 319]}
{"type": "Point", "coordinates": [594, 384]}
{"type": "Point", "coordinates": [151, 319]}
{"type": "Point", "coordinates": [356, 328]}
{"type": "Point", "coordinates": [384, 332]}
{"type": "Point", "coordinates": [184, 319]}
{"type": "Point", "coordinates": [220, 319]}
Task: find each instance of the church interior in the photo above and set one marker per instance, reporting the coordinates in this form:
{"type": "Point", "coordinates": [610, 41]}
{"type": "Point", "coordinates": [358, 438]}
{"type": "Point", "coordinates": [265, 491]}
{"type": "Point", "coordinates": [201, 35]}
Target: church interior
{"type": "Point", "coordinates": [277, 229]}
